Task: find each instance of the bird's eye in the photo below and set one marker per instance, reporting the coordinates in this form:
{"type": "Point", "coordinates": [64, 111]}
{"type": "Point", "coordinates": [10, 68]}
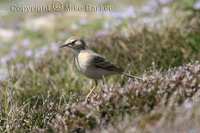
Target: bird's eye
{"type": "Point", "coordinates": [73, 41]}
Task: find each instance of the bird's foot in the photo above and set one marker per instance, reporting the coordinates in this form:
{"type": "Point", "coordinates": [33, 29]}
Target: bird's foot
{"type": "Point", "coordinates": [88, 97]}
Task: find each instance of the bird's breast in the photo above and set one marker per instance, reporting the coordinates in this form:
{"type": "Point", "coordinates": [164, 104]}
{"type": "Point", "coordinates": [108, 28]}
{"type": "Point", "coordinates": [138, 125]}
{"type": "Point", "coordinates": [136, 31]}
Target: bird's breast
{"type": "Point", "coordinates": [83, 60]}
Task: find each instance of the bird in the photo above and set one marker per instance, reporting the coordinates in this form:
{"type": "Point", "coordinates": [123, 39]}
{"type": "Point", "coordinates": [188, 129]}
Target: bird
{"type": "Point", "coordinates": [90, 63]}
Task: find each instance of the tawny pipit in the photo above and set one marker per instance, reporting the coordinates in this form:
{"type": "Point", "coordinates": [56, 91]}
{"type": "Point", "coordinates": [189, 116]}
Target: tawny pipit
{"type": "Point", "coordinates": [90, 63]}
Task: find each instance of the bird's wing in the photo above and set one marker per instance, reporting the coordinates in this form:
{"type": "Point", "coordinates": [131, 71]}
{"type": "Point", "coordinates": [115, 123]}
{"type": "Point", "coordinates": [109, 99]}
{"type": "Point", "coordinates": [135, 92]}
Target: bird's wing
{"type": "Point", "coordinates": [100, 62]}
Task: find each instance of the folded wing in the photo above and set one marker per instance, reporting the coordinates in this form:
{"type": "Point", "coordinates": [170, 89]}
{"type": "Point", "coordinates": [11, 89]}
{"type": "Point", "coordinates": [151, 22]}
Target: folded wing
{"type": "Point", "coordinates": [102, 63]}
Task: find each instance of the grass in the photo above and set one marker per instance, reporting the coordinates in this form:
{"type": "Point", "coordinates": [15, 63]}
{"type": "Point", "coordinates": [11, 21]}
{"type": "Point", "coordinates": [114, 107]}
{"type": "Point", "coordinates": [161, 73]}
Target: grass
{"type": "Point", "coordinates": [46, 94]}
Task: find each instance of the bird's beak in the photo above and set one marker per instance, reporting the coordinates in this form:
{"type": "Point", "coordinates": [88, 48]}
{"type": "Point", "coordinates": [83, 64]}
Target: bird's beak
{"type": "Point", "coordinates": [65, 45]}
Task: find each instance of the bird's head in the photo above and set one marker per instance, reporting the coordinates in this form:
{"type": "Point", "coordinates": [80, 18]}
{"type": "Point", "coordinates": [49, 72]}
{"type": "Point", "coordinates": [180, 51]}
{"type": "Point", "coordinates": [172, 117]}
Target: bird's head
{"type": "Point", "coordinates": [77, 44]}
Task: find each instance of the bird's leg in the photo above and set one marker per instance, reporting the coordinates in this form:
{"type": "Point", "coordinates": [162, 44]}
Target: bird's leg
{"type": "Point", "coordinates": [91, 90]}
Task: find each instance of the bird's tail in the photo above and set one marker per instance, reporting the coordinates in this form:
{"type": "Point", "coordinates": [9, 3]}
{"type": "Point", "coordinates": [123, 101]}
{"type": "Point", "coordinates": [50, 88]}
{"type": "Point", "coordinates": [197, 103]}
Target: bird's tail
{"type": "Point", "coordinates": [131, 76]}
